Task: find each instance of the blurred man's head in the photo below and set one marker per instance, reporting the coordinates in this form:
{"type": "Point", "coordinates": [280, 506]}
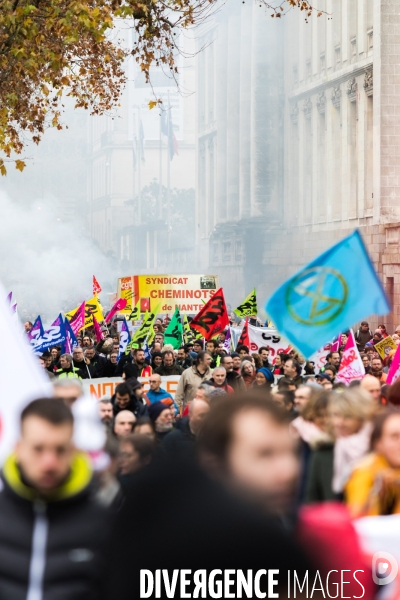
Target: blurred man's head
{"type": "Point", "coordinates": [106, 411]}
{"type": "Point", "coordinates": [135, 451]}
{"type": "Point", "coordinates": [290, 368]}
{"type": "Point", "coordinates": [246, 442]}
{"type": "Point", "coordinates": [236, 361]}
{"type": "Point", "coordinates": [161, 416]}
{"type": "Point", "coordinates": [385, 437]}
{"type": "Point", "coordinates": [122, 395]}
{"type": "Point", "coordinates": [65, 361]}
{"type": "Point", "coordinates": [333, 358]}
{"type": "Point", "coordinates": [197, 411]}
{"type": "Point", "coordinates": [155, 382]}
{"type": "Point", "coordinates": [372, 385]}
{"type": "Point", "coordinates": [139, 357]}
{"type": "Point", "coordinates": [124, 422]}
{"type": "Point", "coordinates": [68, 389]}
{"type": "Point", "coordinates": [227, 363]}
{"type": "Point", "coordinates": [376, 366]}
{"type": "Point", "coordinates": [168, 359]}
{"type": "Point", "coordinates": [301, 397]}
{"type": "Point", "coordinates": [219, 376]}
{"type": "Point", "coordinates": [28, 326]}
{"type": "Point", "coordinates": [114, 357]}
{"type": "Point", "coordinates": [45, 449]}
{"type": "Point", "coordinates": [90, 352]}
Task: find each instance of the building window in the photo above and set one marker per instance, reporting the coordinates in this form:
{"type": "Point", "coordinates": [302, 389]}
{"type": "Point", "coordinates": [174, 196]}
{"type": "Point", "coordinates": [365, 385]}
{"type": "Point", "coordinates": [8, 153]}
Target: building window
{"type": "Point", "coordinates": [370, 34]}
{"type": "Point", "coordinates": [322, 62]}
{"type": "Point", "coordinates": [308, 69]}
{"type": "Point", "coordinates": [295, 76]}
{"type": "Point", "coordinates": [338, 56]}
{"type": "Point", "coordinates": [215, 253]}
{"type": "Point", "coordinates": [226, 251]}
{"type": "Point", "coordinates": [238, 252]}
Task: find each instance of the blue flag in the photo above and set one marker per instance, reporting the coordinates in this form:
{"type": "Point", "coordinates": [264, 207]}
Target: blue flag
{"type": "Point", "coordinates": [124, 338]}
{"type": "Point", "coordinates": [70, 339]}
{"type": "Point", "coordinates": [330, 294]}
{"type": "Point", "coordinates": [54, 336]}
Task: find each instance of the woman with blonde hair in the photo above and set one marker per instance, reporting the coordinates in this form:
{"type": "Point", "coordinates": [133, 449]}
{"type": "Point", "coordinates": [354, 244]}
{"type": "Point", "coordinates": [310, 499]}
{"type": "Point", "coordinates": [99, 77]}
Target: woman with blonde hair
{"type": "Point", "coordinates": [349, 425]}
{"type": "Point", "coordinates": [351, 413]}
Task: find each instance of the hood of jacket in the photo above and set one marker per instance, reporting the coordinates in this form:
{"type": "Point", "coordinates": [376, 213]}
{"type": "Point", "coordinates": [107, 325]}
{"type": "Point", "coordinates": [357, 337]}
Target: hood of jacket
{"type": "Point", "coordinates": [77, 481]}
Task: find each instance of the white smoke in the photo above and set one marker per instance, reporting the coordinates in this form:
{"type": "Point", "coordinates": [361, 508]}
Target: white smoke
{"type": "Point", "coordinates": [47, 264]}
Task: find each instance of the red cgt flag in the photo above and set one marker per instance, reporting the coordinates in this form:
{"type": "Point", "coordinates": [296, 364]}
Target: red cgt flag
{"type": "Point", "coordinates": [96, 286]}
{"type": "Point", "coordinates": [244, 339]}
{"type": "Point", "coordinates": [213, 317]}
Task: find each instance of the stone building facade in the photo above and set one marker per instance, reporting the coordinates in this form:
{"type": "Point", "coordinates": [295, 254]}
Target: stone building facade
{"type": "Point", "coordinates": [239, 142]}
{"type": "Point", "coordinates": [336, 126]}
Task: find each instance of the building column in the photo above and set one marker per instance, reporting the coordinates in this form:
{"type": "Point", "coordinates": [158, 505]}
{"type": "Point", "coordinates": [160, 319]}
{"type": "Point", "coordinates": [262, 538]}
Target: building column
{"type": "Point", "coordinates": [233, 115]}
{"type": "Point", "coordinates": [245, 191]}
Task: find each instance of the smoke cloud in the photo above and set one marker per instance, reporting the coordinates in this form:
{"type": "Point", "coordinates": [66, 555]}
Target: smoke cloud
{"type": "Point", "coordinates": [48, 264]}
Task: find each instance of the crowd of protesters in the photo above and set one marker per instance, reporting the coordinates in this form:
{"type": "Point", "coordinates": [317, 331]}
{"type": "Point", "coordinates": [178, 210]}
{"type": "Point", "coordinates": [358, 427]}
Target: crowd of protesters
{"type": "Point", "coordinates": [278, 438]}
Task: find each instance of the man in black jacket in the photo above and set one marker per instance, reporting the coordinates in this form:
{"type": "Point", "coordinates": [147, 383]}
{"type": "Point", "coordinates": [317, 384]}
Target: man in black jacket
{"type": "Point", "coordinates": [129, 397]}
{"type": "Point", "coordinates": [183, 437]}
{"type": "Point", "coordinates": [53, 529]}
{"type": "Point", "coordinates": [96, 361]}
{"type": "Point", "coordinates": [88, 371]}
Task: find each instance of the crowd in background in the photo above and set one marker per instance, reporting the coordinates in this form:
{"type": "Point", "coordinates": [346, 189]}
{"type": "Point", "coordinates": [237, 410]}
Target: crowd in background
{"type": "Point", "coordinates": [270, 431]}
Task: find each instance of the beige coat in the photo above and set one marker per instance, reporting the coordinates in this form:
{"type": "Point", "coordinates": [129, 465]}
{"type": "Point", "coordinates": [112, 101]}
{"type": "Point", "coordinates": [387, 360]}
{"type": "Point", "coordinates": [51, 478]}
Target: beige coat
{"type": "Point", "coordinates": [188, 385]}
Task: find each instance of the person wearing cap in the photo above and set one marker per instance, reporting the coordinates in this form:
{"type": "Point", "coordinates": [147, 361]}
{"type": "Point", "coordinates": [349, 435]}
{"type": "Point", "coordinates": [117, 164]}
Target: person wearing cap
{"type": "Point", "coordinates": [161, 416]}
{"type": "Point", "coordinates": [363, 336]}
{"type": "Point", "coordinates": [325, 381]}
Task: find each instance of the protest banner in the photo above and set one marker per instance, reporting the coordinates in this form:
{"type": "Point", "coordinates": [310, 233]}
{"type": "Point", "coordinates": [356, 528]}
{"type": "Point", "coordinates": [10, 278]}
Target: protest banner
{"type": "Point", "coordinates": [248, 308]}
{"type": "Point", "coordinates": [394, 371]}
{"type": "Point", "coordinates": [183, 291]}
{"type": "Point", "coordinates": [54, 336]}
{"type": "Point", "coordinates": [351, 365]}
{"type": "Point", "coordinates": [385, 347]}
{"type": "Point", "coordinates": [174, 333]}
{"type": "Point", "coordinates": [92, 307]}
{"type": "Point", "coordinates": [213, 317]}
{"type": "Point", "coordinates": [105, 386]}
{"type": "Point", "coordinates": [319, 357]}
{"type": "Point", "coordinates": [244, 339]}
{"type": "Point", "coordinates": [265, 336]}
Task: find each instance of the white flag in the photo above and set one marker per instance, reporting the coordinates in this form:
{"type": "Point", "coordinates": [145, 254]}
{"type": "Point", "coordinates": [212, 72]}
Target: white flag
{"type": "Point", "coordinates": [22, 380]}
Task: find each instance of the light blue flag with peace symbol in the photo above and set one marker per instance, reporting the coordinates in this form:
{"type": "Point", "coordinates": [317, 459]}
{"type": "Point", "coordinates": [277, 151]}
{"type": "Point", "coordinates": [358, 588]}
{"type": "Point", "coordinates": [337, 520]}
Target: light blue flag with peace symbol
{"type": "Point", "coordinates": [330, 294]}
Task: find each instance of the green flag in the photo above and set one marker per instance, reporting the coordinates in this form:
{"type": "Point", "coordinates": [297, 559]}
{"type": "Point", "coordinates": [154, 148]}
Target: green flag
{"type": "Point", "coordinates": [174, 333]}
{"type": "Point", "coordinates": [188, 335]}
{"type": "Point", "coordinates": [135, 314]}
{"type": "Point", "coordinates": [248, 308]}
{"type": "Point", "coordinates": [146, 327]}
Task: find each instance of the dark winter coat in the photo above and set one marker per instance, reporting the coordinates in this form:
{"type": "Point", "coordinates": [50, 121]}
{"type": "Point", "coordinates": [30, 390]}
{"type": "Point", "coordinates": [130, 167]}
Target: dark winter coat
{"type": "Point", "coordinates": [320, 474]}
{"type": "Point", "coordinates": [135, 406]}
{"type": "Point", "coordinates": [166, 371]}
{"type": "Point", "coordinates": [64, 539]}
{"type": "Point", "coordinates": [109, 369]}
{"type": "Point", "coordinates": [181, 439]}
{"type": "Point", "coordinates": [88, 371]}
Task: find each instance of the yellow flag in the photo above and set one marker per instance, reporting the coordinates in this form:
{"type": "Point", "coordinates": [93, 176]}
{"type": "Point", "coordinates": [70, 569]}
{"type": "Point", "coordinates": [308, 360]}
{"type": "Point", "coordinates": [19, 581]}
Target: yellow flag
{"type": "Point", "coordinates": [92, 308]}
